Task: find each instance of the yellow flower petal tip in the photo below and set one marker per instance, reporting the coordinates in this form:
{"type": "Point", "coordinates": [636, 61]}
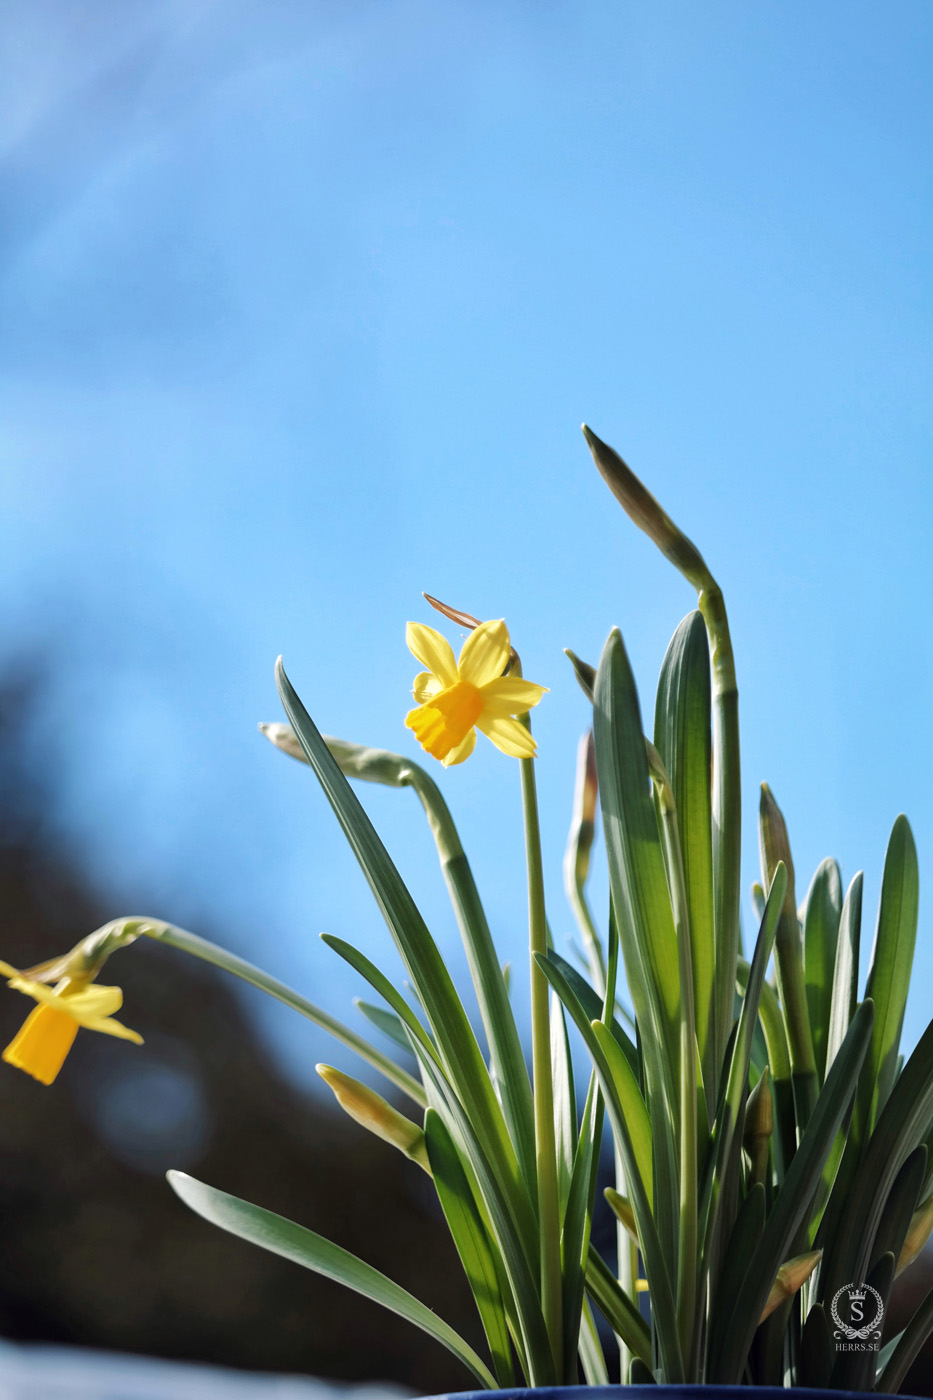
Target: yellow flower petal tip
{"type": "Point", "coordinates": [458, 697]}
{"type": "Point", "coordinates": [48, 1033]}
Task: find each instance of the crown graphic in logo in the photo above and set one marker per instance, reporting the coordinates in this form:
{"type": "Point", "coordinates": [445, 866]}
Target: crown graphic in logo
{"type": "Point", "coordinates": [857, 1295]}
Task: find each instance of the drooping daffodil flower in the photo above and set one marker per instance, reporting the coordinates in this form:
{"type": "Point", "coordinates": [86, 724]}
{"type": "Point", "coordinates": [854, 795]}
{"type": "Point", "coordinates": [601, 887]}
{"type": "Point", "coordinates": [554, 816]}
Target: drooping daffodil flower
{"type": "Point", "coordinates": [49, 1030]}
{"type": "Point", "coordinates": [455, 698]}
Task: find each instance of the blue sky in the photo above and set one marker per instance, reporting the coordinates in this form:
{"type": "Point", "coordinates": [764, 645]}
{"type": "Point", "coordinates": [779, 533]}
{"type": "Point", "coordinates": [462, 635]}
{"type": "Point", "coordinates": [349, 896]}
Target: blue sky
{"type": "Point", "coordinates": [303, 307]}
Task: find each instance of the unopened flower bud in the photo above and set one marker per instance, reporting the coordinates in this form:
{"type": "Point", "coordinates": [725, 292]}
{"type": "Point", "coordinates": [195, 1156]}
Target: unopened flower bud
{"type": "Point", "coordinates": [284, 738]}
{"type": "Point", "coordinates": [790, 1277]}
{"type": "Point", "coordinates": [465, 619]}
{"type": "Point", "coordinates": [774, 846]}
{"type": "Point", "coordinates": [918, 1232]}
{"type": "Point", "coordinates": [759, 1125]}
{"type": "Point", "coordinates": [584, 672]}
{"type": "Point", "coordinates": [371, 1111]}
{"type": "Point", "coordinates": [639, 504]}
{"type": "Point", "coordinates": [583, 821]}
{"type": "Point", "coordinates": [621, 1207]}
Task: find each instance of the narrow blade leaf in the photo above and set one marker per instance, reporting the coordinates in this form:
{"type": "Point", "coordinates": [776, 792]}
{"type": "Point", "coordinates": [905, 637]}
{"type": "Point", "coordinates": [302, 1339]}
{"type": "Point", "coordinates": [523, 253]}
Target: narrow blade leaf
{"type": "Point", "coordinates": [280, 1236]}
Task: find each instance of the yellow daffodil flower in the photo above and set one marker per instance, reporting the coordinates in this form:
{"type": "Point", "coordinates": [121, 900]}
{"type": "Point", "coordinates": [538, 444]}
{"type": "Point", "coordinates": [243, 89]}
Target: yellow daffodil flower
{"type": "Point", "coordinates": [49, 1030]}
{"type": "Point", "coordinates": [455, 698]}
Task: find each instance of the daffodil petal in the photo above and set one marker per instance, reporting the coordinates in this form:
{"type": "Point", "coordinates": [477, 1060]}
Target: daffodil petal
{"type": "Point", "coordinates": [425, 686]}
{"type": "Point", "coordinates": [432, 650]}
{"type": "Point", "coordinates": [108, 1026]}
{"type": "Point", "coordinates": [485, 653]}
{"type": "Point", "coordinates": [92, 1003]}
{"type": "Point", "coordinates": [462, 751]}
{"type": "Point", "coordinates": [510, 695]}
{"type": "Point", "coordinates": [37, 990]}
{"type": "Point", "coordinates": [508, 735]}
{"type": "Point", "coordinates": [7, 971]}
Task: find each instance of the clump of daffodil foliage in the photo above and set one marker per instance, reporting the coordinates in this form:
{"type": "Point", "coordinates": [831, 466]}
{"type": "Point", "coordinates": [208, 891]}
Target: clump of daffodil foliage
{"type": "Point", "coordinates": [771, 1143]}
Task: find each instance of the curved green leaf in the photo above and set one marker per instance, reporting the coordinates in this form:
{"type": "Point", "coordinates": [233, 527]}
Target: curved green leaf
{"type": "Point", "coordinates": [380, 983]}
{"type": "Point", "coordinates": [385, 1021]}
{"type": "Point", "coordinates": [291, 1241]}
{"type": "Point", "coordinates": [907, 1348]}
{"type": "Point", "coordinates": [593, 1006]}
{"type": "Point", "coordinates": [617, 1307]}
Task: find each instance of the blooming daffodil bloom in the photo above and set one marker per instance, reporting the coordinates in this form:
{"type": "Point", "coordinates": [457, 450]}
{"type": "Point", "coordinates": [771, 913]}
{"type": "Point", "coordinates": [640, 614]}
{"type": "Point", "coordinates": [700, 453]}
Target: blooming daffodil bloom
{"type": "Point", "coordinates": [49, 1030]}
{"type": "Point", "coordinates": [455, 698]}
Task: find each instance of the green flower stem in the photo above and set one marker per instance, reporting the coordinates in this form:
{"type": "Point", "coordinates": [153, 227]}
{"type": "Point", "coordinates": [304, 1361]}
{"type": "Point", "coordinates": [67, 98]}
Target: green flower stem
{"type": "Point", "coordinates": [577, 857]}
{"type": "Point", "coordinates": [627, 1272]}
{"type": "Point", "coordinates": [687, 1228]}
{"type": "Point", "coordinates": [727, 804]}
{"type": "Point", "coordinates": [548, 1203]}
{"type": "Point", "coordinates": [186, 942]}
{"type": "Point", "coordinates": [641, 507]}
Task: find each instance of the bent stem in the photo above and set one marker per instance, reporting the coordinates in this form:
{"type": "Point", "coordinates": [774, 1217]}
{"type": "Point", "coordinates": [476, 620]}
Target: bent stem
{"type": "Point", "coordinates": [208, 952]}
{"type": "Point", "coordinates": [546, 1146]}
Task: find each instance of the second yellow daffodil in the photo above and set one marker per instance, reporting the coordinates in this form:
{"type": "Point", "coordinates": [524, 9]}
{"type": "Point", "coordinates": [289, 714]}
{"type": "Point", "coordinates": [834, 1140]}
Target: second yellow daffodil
{"type": "Point", "coordinates": [49, 1030]}
{"type": "Point", "coordinates": [455, 698]}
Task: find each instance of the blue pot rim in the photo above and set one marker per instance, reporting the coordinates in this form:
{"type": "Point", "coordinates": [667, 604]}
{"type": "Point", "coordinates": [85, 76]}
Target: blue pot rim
{"type": "Point", "coordinates": [655, 1392]}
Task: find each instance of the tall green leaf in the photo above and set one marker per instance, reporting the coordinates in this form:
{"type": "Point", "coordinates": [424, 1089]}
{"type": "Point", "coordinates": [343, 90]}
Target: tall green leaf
{"type": "Point", "coordinates": [520, 1263]}
{"type": "Point", "coordinates": [284, 1237]}
{"type": "Point", "coordinates": [891, 963]}
{"type": "Point", "coordinates": [845, 972]}
{"type": "Point", "coordinates": [793, 1200]}
{"type": "Point", "coordinates": [851, 1223]}
{"type": "Point", "coordinates": [743, 1241]}
{"type": "Point", "coordinates": [565, 1109]}
{"type": "Point", "coordinates": [820, 936]}
{"type": "Point", "coordinates": [471, 1240]}
{"type": "Point", "coordinates": [593, 1006]}
{"type": "Point", "coordinates": [625, 1085]}
{"type": "Point", "coordinates": [575, 1234]}
{"type": "Point", "coordinates": [774, 846]}
{"type": "Point", "coordinates": [817, 1350]}
{"type": "Point", "coordinates": [722, 1163]}
{"type": "Point", "coordinates": [682, 736]}
{"type": "Point", "coordinates": [640, 894]}
{"type": "Point", "coordinates": [385, 1021]}
{"type": "Point", "coordinates": [908, 1347]}
{"type": "Point", "coordinates": [617, 1307]}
